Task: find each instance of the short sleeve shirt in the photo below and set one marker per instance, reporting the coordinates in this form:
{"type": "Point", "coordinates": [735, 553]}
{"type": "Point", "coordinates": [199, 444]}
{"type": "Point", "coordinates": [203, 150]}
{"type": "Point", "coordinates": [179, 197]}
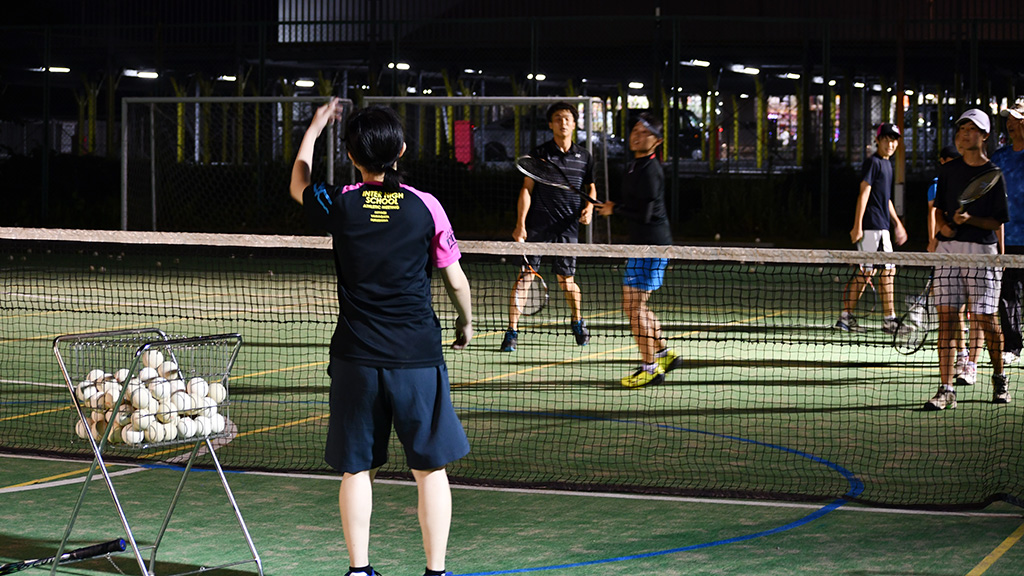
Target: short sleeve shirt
{"type": "Point", "coordinates": [877, 172]}
{"type": "Point", "coordinates": [555, 212]}
{"type": "Point", "coordinates": [385, 246]}
{"type": "Point", "coordinates": [1012, 165]}
{"type": "Point", "coordinates": [953, 178]}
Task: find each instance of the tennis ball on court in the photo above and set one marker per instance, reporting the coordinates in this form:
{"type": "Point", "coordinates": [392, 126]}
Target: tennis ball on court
{"type": "Point", "coordinates": [198, 386]}
{"type": "Point", "coordinates": [152, 359]}
{"type": "Point", "coordinates": [147, 374]}
{"type": "Point", "coordinates": [159, 388]}
{"type": "Point", "coordinates": [717, 236]}
{"type": "Point", "coordinates": [168, 370]}
{"type": "Point", "coordinates": [217, 392]}
{"type": "Point", "coordinates": [96, 375]}
{"type": "Point", "coordinates": [132, 436]}
{"type": "Point", "coordinates": [186, 427]}
{"type": "Point", "coordinates": [142, 419]}
{"type": "Point", "coordinates": [155, 434]}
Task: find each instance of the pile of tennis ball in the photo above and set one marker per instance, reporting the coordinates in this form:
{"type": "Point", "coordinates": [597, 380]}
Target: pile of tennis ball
{"type": "Point", "coordinates": [158, 404]}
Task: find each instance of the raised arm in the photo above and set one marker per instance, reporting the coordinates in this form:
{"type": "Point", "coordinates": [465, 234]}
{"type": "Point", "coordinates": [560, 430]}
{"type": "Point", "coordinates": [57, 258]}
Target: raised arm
{"type": "Point", "coordinates": [323, 116]}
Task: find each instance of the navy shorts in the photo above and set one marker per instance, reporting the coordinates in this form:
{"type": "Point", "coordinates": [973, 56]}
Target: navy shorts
{"type": "Point", "coordinates": [366, 402]}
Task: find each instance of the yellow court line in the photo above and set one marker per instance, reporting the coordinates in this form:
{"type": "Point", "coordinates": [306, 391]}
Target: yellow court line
{"type": "Point", "coordinates": [40, 413]}
{"type": "Point", "coordinates": [994, 555]}
{"type": "Point", "coordinates": [55, 477]}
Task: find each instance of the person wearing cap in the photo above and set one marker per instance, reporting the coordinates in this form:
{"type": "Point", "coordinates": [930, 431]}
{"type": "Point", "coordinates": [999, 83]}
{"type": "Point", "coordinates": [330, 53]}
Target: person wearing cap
{"type": "Point", "coordinates": [874, 217]}
{"type": "Point", "coordinates": [643, 206]}
{"type": "Point", "coordinates": [963, 356]}
{"type": "Point", "coordinates": [1010, 159]}
{"type": "Point", "coordinates": [968, 231]}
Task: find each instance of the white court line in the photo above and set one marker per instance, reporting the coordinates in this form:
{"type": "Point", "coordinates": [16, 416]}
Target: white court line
{"type": "Point", "coordinates": [851, 507]}
{"type": "Point", "coordinates": [30, 383]}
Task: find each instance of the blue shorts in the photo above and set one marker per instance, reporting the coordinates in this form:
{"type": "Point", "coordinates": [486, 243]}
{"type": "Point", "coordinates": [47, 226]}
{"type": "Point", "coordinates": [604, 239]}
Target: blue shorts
{"type": "Point", "coordinates": [645, 273]}
{"type": "Point", "coordinates": [365, 403]}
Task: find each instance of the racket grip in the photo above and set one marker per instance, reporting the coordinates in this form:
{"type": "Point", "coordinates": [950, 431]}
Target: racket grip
{"type": "Point", "coordinates": [97, 549]}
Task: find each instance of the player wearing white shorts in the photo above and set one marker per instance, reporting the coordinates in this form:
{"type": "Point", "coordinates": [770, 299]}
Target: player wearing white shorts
{"type": "Point", "coordinates": [873, 218]}
{"type": "Point", "coordinates": [970, 231]}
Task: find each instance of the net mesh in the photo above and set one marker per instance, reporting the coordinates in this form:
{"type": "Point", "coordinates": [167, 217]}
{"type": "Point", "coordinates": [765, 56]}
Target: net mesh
{"type": "Point", "coordinates": [770, 400]}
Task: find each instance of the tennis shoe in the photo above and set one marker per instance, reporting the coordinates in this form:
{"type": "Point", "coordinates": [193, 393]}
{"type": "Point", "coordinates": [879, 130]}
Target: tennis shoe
{"type": "Point", "coordinates": [510, 341]}
{"type": "Point", "coordinates": [1000, 389]}
{"type": "Point", "coordinates": [670, 361]}
{"type": "Point", "coordinates": [968, 375]}
{"type": "Point", "coordinates": [642, 377]}
{"type": "Point", "coordinates": [892, 326]}
{"type": "Point", "coordinates": [372, 572]}
{"type": "Point", "coordinates": [961, 360]}
{"type": "Point", "coordinates": [579, 330]}
{"type": "Point", "coordinates": [944, 398]}
{"type": "Point", "coordinates": [1010, 358]}
{"type": "Point", "coordinates": [848, 323]}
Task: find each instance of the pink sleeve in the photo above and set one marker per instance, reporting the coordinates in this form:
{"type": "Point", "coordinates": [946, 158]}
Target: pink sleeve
{"type": "Point", "coordinates": [444, 249]}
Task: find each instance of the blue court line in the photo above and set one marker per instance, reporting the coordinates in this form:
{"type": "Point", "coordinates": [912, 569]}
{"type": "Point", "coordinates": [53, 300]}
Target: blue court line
{"type": "Point", "coordinates": [856, 488]}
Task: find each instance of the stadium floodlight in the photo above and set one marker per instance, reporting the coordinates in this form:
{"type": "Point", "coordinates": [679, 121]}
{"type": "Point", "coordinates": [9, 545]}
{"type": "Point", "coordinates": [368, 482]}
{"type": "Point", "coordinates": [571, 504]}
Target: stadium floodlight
{"type": "Point", "coordinates": [304, 83]}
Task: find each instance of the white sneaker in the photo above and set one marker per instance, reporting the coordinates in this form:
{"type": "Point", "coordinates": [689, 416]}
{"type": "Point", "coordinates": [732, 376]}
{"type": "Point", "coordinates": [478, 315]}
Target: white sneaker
{"type": "Point", "coordinates": [944, 398]}
{"type": "Point", "coordinates": [961, 361]}
{"type": "Point", "coordinates": [968, 375]}
{"type": "Point", "coordinates": [1010, 358]}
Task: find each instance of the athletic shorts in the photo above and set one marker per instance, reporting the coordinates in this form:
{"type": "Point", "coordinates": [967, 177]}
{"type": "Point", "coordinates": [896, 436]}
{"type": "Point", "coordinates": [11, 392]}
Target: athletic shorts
{"type": "Point", "coordinates": [875, 241]}
{"type": "Point", "coordinates": [976, 287]}
{"type": "Point", "coordinates": [560, 265]}
{"type": "Point", "coordinates": [645, 273]}
{"type": "Point", "coordinates": [366, 402]}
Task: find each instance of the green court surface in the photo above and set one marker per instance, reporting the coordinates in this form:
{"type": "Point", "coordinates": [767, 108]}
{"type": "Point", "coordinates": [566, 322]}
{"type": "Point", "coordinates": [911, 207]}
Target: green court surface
{"type": "Point", "coordinates": [295, 526]}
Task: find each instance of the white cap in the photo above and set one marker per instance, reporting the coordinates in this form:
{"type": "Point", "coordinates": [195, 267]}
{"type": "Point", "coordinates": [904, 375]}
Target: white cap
{"type": "Point", "coordinates": [979, 118]}
{"type": "Point", "coordinates": [1016, 111]}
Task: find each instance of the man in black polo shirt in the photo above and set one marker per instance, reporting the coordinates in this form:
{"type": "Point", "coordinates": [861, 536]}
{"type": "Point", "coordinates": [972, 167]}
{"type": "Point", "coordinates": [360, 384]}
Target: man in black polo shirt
{"type": "Point", "coordinates": [549, 214]}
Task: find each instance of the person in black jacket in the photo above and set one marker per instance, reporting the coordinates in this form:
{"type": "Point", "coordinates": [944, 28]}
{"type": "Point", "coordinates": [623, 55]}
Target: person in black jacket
{"type": "Point", "coordinates": [643, 205]}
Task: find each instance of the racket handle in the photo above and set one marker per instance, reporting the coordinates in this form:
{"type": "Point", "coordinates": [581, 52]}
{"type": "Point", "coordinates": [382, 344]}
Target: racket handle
{"type": "Point", "coordinates": [97, 550]}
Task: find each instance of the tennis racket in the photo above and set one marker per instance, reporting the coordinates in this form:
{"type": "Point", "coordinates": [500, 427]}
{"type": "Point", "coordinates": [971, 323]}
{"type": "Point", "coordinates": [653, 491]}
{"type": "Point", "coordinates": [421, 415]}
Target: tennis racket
{"type": "Point", "coordinates": [979, 186]}
{"type": "Point", "coordinates": [913, 326]}
{"type": "Point", "coordinates": [531, 293]}
{"type": "Point", "coordinates": [545, 172]}
{"type": "Point", "coordinates": [80, 554]}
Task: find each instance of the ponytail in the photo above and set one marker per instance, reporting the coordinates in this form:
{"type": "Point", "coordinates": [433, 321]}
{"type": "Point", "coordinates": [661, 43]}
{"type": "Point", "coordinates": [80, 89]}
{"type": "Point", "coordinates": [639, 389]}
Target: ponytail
{"type": "Point", "coordinates": [392, 180]}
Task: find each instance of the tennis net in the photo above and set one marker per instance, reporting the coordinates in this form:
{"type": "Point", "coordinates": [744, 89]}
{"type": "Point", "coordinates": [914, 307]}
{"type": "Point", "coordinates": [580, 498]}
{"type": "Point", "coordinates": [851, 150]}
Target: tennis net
{"type": "Point", "coordinates": [770, 400]}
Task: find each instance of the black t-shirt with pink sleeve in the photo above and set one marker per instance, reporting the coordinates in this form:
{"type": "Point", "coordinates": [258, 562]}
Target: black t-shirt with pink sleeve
{"type": "Point", "coordinates": [386, 245]}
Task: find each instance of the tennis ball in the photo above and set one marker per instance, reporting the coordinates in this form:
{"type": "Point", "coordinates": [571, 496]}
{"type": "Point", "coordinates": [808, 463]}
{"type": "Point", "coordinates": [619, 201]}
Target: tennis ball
{"type": "Point", "coordinates": [132, 436]}
{"type": "Point", "coordinates": [155, 434]}
{"type": "Point", "coordinates": [96, 375]}
{"type": "Point", "coordinates": [170, 431]}
{"type": "Point", "coordinates": [139, 397]}
{"type": "Point", "coordinates": [217, 392]}
{"type": "Point", "coordinates": [84, 428]}
{"type": "Point", "coordinates": [86, 390]}
{"type": "Point", "coordinates": [186, 427]}
{"type": "Point", "coordinates": [123, 416]}
{"type": "Point", "coordinates": [168, 370]}
{"type": "Point", "coordinates": [142, 419]}
{"type": "Point", "coordinates": [166, 413]}
{"type": "Point", "coordinates": [98, 401]}
{"type": "Point", "coordinates": [203, 426]}
{"type": "Point", "coordinates": [152, 359]}
{"type": "Point", "coordinates": [717, 236]}
{"type": "Point", "coordinates": [147, 374]}
{"type": "Point", "coordinates": [177, 385]}
{"type": "Point", "coordinates": [198, 386]}
{"type": "Point", "coordinates": [121, 375]}
{"type": "Point", "coordinates": [218, 423]}
{"type": "Point", "coordinates": [205, 406]}
{"type": "Point", "coordinates": [159, 388]}
{"type": "Point", "coordinates": [115, 433]}
{"type": "Point", "coordinates": [182, 402]}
